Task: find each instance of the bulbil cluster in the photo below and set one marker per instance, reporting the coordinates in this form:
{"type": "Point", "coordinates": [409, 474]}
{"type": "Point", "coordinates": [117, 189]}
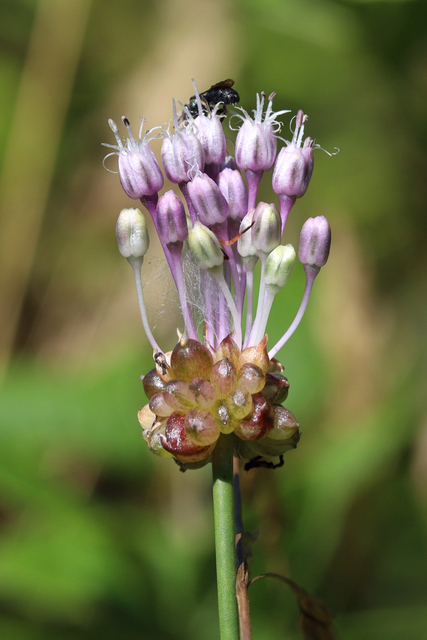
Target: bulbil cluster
{"type": "Point", "coordinates": [200, 393]}
{"type": "Point", "coordinates": [220, 380]}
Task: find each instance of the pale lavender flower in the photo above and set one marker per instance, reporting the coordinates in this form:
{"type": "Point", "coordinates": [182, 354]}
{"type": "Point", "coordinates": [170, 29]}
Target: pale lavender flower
{"type": "Point", "coordinates": [293, 168]}
{"type": "Point", "coordinates": [210, 133]}
{"type": "Point", "coordinates": [294, 164]}
{"type": "Point", "coordinates": [139, 172]}
{"type": "Point", "coordinates": [182, 154]}
{"type": "Point", "coordinates": [256, 142]}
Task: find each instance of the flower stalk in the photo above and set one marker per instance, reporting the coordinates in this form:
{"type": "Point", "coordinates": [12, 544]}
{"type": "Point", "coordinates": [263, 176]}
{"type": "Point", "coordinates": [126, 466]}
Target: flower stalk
{"type": "Point", "coordinates": [223, 501]}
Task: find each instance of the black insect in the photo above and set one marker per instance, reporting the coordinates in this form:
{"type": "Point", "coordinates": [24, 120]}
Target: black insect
{"type": "Point", "coordinates": [220, 92]}
{"type": "Point", "coordinates": [259, 461]}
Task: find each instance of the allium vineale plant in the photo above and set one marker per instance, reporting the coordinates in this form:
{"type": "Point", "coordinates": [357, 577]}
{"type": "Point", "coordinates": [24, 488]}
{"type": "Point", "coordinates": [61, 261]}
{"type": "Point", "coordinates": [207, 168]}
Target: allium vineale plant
{"type": "Point", "coordinates": [221, 386]}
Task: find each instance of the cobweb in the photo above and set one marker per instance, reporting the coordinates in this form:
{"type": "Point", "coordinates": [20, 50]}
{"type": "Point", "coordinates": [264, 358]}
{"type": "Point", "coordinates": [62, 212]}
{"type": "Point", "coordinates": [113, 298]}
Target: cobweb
{"type": "Point", "coordinates": [198, 285]}
{"type": "Point", "coordinates": [160, 295]}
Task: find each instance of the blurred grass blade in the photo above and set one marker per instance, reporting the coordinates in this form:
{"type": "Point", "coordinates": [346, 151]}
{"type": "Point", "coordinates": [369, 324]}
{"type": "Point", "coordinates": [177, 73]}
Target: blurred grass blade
{"type": "Point", "coordinates": [34, 137]}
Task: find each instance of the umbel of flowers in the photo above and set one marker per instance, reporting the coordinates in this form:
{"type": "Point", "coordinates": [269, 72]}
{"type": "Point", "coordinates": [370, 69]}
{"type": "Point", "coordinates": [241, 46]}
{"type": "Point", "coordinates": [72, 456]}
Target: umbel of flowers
{"type": "Point", "coordinates": [221, 378]}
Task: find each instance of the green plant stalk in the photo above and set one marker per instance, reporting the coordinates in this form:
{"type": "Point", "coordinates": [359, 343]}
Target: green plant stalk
{"type": "Point", "coordinates": [223, 501]}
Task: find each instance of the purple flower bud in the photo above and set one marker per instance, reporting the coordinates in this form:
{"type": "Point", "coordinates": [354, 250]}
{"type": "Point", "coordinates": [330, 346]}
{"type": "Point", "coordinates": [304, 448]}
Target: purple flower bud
{"type": "Point", "coordinates": [266, 231]}
{"type": "Point", "coordinates": [207, 199]}
{"type": "Point", "coordinates": [233, 188]}
{"type": "Point", "coordinates": [182, 154]}
{"type": "Point", "coordinates": [210, 133]}
{"type": "Point", "coordinates": [139, 171]}
{"type": "Point", "coordinates": [256, 142]}
{"type": "Point", "coordinates": [171, 219]}
{"type": "Point", "coordinates": [315, 242]}
{"type": "Point", "coordinates": [131, 233]}
{"type": "Point", "coordinates": [294, 164]}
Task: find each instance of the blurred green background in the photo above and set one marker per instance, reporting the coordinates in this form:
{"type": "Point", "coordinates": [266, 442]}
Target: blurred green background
{"type": "Point", "coordinates": [98, 537]}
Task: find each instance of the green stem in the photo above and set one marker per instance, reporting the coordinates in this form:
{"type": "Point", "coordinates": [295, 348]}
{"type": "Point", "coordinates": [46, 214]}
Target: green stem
{"type": "Point", "coordinates": [223, 500]}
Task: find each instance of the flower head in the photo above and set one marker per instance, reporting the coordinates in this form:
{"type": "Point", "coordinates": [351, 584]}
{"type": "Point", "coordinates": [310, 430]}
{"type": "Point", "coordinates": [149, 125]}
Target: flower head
{"type": "Point", "coordinates": [220, 380]}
